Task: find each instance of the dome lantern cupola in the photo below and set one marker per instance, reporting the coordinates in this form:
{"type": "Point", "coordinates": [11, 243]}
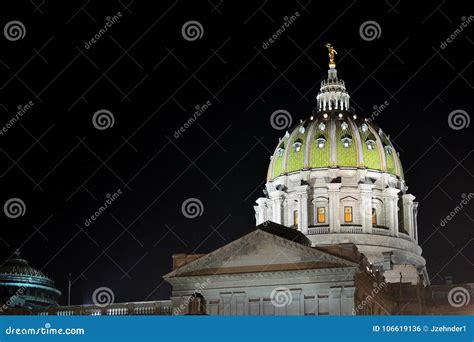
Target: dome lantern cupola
{"type": "Point", "coordinates": [332, 94]}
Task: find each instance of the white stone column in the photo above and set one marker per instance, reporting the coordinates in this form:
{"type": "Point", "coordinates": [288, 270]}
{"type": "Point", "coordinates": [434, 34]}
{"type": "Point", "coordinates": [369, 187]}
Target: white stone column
{"type": "Point", "coordinates": [348, 301]}
{"type": "Point", "coordinates": [277, 198]}
{"type": "Point", "coordinates": [335, 301]}
{"type": "Point", "coordinates": [415, 221]}
{"type": "Point", "coordinates": [390, 196]}
{"type": "Point", "coordinates": [333, 194]}
{"type": "Point", "coordinates": [303, 217]}
{"type": "Point", "coordinates": [366, 207]}
{"type": "Point", "coordinates": [408, 213]}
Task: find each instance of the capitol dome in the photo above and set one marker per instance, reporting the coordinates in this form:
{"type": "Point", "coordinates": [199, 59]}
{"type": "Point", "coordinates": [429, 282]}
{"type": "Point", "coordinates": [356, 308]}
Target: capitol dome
{"type": "Point", "coordinates": [334, 138]}
{"type": "Point", "coordinates": [337, 178]}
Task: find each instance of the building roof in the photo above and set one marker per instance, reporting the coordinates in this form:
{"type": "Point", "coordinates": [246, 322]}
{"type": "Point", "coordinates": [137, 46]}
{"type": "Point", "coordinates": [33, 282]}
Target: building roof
{"type": "Point", "coordinates": [16, 271]}
{"type": "Point", "coordinates": [283, 232]}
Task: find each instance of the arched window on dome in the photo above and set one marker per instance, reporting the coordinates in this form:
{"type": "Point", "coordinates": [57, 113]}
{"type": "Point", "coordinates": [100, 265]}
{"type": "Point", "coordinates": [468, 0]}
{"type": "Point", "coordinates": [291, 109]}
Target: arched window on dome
{"type": "Point", "coordinates": [346, 141]}
{"type": "Point", "coordinates": [321, 141]}
{"type": "Point", "coordinates": [297, 145]}
{"type": "Point", "coordinates": [370, 142]}
{"type": "Point", "coordinates": [281, 150]}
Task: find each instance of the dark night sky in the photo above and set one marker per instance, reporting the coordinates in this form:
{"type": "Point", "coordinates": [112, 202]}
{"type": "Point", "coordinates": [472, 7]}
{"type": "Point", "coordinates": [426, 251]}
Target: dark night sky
{"type": "Point", "coordinates": [151, 79]}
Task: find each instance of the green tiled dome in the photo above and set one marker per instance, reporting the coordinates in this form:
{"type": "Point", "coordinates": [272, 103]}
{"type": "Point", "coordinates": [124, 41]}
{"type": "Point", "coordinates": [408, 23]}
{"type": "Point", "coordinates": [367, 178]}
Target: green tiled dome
{"type": "Point", "coordinates": [334, 139]}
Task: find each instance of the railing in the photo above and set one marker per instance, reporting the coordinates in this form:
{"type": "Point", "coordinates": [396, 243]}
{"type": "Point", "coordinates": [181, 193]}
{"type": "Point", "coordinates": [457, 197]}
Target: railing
{"type": "Point", "coordinates": [355, 229]}
{"type": "Point", "coordinates": [381, 231]}
{"type": "Point", "coordinates": [351, 229]}
{"type": "Point", "coordinates": [318, 230]}
{"type": "Point", "coordinates": [161, 307]}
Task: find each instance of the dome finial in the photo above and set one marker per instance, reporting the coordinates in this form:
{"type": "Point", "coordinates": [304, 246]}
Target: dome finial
{"type": "Point", "coordinates": [332, 53]}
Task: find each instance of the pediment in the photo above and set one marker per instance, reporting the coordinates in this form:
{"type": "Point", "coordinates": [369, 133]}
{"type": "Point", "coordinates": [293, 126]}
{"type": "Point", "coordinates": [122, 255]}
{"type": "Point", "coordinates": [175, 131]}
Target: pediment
{"type": "Point", "coordinates": [260, 251]}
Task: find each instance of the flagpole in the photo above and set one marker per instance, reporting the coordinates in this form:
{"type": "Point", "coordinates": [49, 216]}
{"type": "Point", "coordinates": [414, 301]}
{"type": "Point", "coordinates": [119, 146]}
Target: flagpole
{"type": "Point", "coordinates": [69, 291]}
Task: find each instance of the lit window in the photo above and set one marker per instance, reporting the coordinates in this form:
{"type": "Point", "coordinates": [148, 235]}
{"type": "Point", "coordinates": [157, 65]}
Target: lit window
{"type": "Point", "coordinates": [388, 148]}
{"type": "Point", "coordinates": [295, 218]}
{"type": "Point", "coordinates": [321, 215]}
{"type": "Point", "coordinates": [344, 125]}
{"type": "Point", "coordinates": [322, 126]}
{"type": "Point", "coordinates": [354, 116]}
{"type": "Point", "coordinates": [364, 127]}
{"type": "Point", "coordinates": [321, 142]}
{"type": "Point", "coordinates": [347, 214]}
{"type": "Point", "coordinates": [374, 217]}
{"type": "Point", "coordinates": [370, 144]}
{"type": "Point", "coordinates": [301, 130]}
{"type": "Point", "coordinates": [340, 115]}
{"type": "Point", "coordinates": [346, 141]}
{"type": "Point", "coordinates": [325, 115]}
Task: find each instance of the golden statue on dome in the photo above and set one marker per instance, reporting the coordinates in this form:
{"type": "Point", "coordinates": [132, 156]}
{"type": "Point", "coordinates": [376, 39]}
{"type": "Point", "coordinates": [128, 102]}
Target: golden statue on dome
{"type": "Point", "coordinates": [332, 52]}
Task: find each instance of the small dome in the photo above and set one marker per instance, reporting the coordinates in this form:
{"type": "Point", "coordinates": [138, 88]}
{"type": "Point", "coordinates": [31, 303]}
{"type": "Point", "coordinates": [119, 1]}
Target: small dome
{"type": "Point", "coordinates": [17, 269]}
{"type": "Point", "coordinates": [18, 266]}
{"type": "Point", "coordinates": [22, 285]}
